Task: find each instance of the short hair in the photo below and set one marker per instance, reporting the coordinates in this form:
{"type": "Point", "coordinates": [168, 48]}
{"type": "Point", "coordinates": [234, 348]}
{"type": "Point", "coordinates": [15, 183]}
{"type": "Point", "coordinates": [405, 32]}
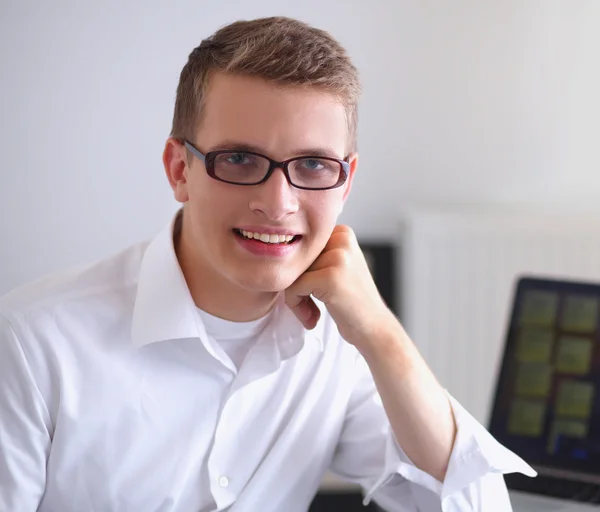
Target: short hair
{"type": "Point", "coordinates": [281, 50]}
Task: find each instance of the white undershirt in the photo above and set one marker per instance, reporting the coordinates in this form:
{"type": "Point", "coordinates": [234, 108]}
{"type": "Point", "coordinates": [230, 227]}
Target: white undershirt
{"type": "Point", "coordinates": [235, 338]}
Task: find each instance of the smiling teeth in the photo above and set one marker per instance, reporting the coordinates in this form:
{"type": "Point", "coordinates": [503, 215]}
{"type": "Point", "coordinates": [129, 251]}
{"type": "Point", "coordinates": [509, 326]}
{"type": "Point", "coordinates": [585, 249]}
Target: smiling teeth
{"type": "Point", "coordinates": [267, 238]}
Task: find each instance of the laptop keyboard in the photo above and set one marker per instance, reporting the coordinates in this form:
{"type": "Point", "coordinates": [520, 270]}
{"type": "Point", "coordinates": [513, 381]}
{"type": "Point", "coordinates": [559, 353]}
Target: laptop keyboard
{"type": "Point", "coordinates": [554, 487]}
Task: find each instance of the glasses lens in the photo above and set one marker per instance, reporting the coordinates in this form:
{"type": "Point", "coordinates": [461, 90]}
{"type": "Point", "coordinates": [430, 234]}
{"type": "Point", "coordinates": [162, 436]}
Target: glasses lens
{"type": "Point", "coordinates": [240, 168]}
{"type": "Point", "coordinates": [315, 172]}
{"type": "Point", "coordinates": [305, 172]}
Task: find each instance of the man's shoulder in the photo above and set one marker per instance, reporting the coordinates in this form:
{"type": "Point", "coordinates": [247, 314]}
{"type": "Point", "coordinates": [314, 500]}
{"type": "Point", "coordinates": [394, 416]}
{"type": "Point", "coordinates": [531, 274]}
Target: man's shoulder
{"type": "Point", "coordinates": [93, 281]}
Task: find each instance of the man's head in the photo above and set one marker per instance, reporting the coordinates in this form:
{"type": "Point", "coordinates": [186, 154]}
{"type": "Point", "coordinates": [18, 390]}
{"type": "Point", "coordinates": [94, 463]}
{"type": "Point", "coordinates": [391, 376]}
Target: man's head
{"type": "Point", "coordinates": [280, 50]}
{"type": "Point", "coordinates": [280, 88]}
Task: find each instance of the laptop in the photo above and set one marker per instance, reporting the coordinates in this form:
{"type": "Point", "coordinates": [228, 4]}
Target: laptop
{"type": "Point", "coordinates": [546, 405]}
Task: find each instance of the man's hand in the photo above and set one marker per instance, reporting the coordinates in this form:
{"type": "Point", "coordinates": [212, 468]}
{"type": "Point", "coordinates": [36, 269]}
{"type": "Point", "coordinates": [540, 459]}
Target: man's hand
{"type": "Point", "coordinates": [416, 405]}
{"type": "Point", "coordinates": [341, 279]}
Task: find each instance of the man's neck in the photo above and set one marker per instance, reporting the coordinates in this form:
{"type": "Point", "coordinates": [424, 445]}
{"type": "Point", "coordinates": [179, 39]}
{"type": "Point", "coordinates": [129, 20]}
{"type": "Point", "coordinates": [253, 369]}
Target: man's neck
{"type": "Point", "coordinates": [214, 293]}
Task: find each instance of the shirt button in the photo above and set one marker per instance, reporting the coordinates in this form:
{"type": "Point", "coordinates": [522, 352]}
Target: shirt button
{"type": "Point", "coordinates": [223, 481]}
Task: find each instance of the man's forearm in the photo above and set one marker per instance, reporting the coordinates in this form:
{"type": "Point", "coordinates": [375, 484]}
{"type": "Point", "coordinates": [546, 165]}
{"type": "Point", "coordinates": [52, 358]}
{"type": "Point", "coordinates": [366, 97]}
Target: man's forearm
{"type": "Point", "coordinates": [417, 406]}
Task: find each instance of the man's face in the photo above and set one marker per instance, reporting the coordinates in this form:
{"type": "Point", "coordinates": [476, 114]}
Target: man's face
{"type": "Point", "coordinates": [282, 123]}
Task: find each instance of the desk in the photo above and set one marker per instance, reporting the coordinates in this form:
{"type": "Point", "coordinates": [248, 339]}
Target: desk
{"type": "Point", "coordinates": [336, 495]}
{"type": "Point", "coordinates": [523, 502]}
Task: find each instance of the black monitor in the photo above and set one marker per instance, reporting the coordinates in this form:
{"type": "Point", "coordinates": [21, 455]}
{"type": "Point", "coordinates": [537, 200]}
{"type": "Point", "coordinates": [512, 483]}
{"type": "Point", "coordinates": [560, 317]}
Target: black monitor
{"type": "Point", "coordinates": [547, 401]}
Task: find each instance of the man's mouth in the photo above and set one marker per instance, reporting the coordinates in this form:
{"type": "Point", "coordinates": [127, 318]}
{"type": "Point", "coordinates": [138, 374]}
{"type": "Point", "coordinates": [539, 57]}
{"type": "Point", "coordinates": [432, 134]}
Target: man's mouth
{"type": "Point", "coordinates": [267, 238]}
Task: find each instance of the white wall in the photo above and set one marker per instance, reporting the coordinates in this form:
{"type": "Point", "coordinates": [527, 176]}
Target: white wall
{"type": "Point", "coordinates": [465, 101]}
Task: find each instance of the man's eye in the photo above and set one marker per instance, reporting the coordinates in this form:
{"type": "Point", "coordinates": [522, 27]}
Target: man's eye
{"type": "Point", "coordinates": [237, 158]}
{"type": "Point", "coordinates": [312, 164]}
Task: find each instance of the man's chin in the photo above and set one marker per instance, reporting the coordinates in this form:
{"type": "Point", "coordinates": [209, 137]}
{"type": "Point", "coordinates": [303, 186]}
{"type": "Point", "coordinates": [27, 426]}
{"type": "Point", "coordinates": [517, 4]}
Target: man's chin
{"type": "Point", "coordinates": [266, 283]}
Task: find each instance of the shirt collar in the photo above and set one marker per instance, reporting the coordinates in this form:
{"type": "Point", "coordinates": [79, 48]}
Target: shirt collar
{"type": "Point", "coordinates": [165, 310]}
{"type": "Point", "coordinates": [289, 331]}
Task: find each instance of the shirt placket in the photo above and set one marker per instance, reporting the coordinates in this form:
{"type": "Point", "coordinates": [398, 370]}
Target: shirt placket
{"type": "Point", "coordinates": [228, 477]}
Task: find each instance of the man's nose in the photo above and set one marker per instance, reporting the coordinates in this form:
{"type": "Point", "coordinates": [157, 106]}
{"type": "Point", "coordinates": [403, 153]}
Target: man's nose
{"type": "Point", "coordinates": [275, 198]}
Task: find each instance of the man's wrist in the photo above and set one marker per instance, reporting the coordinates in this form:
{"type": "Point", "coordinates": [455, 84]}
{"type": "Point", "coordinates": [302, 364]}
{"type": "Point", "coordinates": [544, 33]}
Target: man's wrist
{"type": "Point", "coordinates": [388, 341]}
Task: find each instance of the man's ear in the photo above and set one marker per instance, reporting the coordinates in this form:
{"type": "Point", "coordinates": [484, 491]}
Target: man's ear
{"type": "Point", "coordinates": [353, 161]}
{"type": "Point", "coordinates": [176, 165]}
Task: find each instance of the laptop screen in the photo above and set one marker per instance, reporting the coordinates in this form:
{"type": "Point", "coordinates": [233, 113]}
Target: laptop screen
{"type": "Point", "coordinates": [547, 402]}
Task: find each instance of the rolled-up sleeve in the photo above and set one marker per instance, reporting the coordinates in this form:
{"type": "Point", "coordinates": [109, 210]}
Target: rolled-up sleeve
{"type": "Point", "coordinates": [369, 455]}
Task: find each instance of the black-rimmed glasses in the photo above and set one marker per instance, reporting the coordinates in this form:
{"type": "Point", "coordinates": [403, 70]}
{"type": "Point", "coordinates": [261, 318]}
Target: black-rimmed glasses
{"type": "Point", "coordinates": [248, 168]}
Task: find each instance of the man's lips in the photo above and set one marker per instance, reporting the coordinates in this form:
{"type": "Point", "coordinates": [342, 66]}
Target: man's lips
{"type": "Point", "coordinates": [269, 230]}
{"type": "Point", "coordinates": [285, 237]}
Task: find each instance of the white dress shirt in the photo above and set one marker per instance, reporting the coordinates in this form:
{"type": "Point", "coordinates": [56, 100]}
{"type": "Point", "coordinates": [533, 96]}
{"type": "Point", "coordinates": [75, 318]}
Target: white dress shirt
{"type": "Point", "coordinates": [113, 398]}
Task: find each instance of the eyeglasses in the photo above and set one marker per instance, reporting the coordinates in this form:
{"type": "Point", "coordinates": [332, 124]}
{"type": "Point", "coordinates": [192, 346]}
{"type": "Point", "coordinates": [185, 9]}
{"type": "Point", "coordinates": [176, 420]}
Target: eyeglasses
{"type": "Point", "coordinates": [248, 168]}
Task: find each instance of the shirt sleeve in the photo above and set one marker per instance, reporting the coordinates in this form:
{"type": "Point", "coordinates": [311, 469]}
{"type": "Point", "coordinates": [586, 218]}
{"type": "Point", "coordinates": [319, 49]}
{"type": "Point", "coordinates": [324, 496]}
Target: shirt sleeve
{"type": "Point", "coordinates": [24, 428]}
{"type": "Point", "coordinates": [369, 455]}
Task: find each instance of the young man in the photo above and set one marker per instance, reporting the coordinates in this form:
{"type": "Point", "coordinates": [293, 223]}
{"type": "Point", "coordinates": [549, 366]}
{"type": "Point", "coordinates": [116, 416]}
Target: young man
{"type": "Point", "coordinates": [228, 363]}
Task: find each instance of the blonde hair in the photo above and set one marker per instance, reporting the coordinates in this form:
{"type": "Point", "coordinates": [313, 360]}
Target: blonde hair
{"type": "Point", "coordinates": [278, 49]}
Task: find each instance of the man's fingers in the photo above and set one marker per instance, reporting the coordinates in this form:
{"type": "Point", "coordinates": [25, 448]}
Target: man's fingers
{"type": "Point", "coordinates": [307, 312]}
{"type": "Point", "coordinates": [298, 298]}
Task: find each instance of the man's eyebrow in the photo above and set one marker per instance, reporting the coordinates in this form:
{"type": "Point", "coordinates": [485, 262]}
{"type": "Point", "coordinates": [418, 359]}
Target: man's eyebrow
{"type": "Point", "coordinates": [234, 145]}
{"type": "Point", "coordinates": [324, 152]}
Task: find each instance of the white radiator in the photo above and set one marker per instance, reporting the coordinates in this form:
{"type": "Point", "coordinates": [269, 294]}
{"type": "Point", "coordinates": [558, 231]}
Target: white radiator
{"type": "Point", "coordinates": [457, 276]}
